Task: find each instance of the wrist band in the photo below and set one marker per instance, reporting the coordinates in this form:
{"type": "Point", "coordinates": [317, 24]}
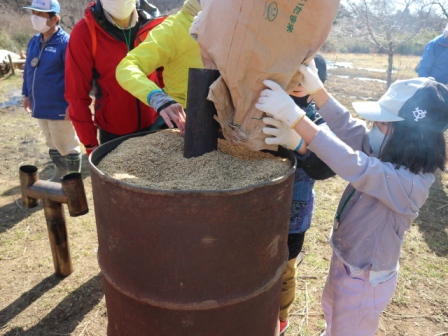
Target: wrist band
{"type": "Point", "coordinates": [299, 145]}
{"type": "Point", "coordinates": [313, 92]}
{"type": "Point", "coordinates": [297, 121]}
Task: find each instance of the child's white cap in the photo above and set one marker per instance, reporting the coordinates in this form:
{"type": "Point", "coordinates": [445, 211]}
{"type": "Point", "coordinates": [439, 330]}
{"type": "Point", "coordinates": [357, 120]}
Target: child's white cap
{"type": "Point", "coordinates": [421, 101]}
{"type": "Point", "coordinates": [45, 6]}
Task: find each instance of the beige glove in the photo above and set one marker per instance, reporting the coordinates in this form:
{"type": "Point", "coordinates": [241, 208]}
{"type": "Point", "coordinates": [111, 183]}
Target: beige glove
{"type": "Point", "coordinates": [277, 103]}
{"type": "Point", "coordinates": [282, 135]}
{"type": "Point", "coordinates": [311, 81]}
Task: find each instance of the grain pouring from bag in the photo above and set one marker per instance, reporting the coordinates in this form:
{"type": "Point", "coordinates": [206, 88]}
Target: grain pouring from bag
{"type": "Point", "coordinates": [156, 161]}
{"type": "Point", "coordinates": [258, 40]}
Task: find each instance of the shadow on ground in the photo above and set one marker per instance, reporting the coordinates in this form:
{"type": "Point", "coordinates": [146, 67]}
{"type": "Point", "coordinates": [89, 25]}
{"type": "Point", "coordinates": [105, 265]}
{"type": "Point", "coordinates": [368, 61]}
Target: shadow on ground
{"type": "Point", "coordinates": [28, 298]}
{"type": "Point", "coordinates": [13, 213]}
{"type": "Point", "coordinates": [433, 219]}
{"type": "Point", "coordinates": [72, 308]}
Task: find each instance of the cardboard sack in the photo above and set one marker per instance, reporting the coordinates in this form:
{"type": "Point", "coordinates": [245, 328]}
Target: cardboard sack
{"type": "Point", "coordinates": [252, 40]}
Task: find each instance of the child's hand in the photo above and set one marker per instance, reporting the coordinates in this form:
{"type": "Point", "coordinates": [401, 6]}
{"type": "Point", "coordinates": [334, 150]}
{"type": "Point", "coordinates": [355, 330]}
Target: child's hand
{"type": "Point", "coordinates": [174, 114]}
{"type": "Point", "coordinates": [311, 81]}
{"type": "Point", "coordinates": [89, 149]}
{"type": "Point", "coordinates": [282, 134]}
{"type": "Point", "coordinates": [194, 29]}
{"type": "Point", "coordinates": [27, 104]}
{"type": "Point", "coordinates": [276, 102]}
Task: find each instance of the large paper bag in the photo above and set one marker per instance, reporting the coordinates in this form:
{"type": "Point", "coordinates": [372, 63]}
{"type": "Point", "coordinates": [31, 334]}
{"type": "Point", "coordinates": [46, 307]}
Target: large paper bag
{"type": "Point", "coordinates": [252, 40]}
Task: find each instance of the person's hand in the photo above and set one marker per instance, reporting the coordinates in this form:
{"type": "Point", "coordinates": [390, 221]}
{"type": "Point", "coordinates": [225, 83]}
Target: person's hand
{"type": "Point", "coordinates": [27, 104]}
{"type": "Point", "coordinates": [194, 29]}
{"type": "Point", "coordinates": [168, 109]}
{"type": "Point", "coordinates": [311, 81]}
{"type": "Point", "coordinates": [277, 103]}
{"type": "Point", "coordinates": [174, 113]}
{"type": "Point", "coordinates": [282, 134]}
{"type": "Point", "coordinates": [89, 149]}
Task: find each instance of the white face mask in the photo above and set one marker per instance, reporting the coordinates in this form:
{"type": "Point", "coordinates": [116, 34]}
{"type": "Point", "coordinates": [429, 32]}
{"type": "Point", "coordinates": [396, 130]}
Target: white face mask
{"type": "Point", "coordinates": [119, 9]}
{"type": "Point", "coordinates": [39, 23]}
{"type": "Point", "coordinates": [376, 139]}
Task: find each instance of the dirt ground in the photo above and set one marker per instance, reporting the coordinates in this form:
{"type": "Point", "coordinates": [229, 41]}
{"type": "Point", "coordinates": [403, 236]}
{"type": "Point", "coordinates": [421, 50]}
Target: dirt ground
{"type": "Point", "coordinates": [33, 301]}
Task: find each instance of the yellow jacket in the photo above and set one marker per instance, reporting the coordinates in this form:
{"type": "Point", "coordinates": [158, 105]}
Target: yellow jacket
{"type": "Point", "coordinates": [168, 45]}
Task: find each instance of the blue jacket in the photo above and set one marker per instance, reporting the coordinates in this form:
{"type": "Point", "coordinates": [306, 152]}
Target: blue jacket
{"type": "Point", "coordinates": [434, 62]}
{"type": "Point", "coordinates": [302, 202]}
{"type": "Point", "coordinates": [303, 193]}
{"type": "Point", "coordinates": [44, 84]}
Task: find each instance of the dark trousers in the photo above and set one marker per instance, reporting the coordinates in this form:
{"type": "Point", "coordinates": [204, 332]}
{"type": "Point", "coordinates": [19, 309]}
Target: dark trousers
{"type": "Point", "coordinates": [295, 244]}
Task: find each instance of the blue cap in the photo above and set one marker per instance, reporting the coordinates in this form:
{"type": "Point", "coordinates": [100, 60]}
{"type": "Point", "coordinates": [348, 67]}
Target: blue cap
{"type": "Point", "coordinates": [45, 6]}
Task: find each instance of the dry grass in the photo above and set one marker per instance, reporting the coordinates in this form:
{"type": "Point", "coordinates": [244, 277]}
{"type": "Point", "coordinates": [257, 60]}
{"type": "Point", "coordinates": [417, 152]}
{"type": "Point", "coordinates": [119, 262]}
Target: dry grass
{"type": "Point", "coordinates": [34, 302]}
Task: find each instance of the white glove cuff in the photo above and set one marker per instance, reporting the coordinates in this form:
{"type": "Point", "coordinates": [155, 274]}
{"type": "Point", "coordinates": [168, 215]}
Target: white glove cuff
{"type": "Point", "coordinates": [294, 142]}
{"type": "Point", "coordinates": [292, 115]}
{"type": "Point", "coordinates": [320, 87]}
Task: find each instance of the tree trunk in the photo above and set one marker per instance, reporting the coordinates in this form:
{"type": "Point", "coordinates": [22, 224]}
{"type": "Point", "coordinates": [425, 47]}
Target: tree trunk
{"type": "Point", "coordinates": [390, 63]}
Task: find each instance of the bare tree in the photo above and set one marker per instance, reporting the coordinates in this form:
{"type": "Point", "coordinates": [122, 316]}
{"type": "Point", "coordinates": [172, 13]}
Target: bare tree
{"type": "Point", "coordinates": [387, 24]}
{"type": "Point", "coordinates": [443, 4]}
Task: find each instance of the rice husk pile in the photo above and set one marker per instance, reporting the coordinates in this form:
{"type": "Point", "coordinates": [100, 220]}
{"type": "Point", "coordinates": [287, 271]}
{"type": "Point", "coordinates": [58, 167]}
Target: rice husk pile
{"type": "Point", "coordinates": [156, 161]}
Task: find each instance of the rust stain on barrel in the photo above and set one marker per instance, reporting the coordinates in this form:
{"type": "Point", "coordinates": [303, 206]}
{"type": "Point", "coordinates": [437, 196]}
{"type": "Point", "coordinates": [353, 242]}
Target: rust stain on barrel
{"type": "Point", "coordinates": [208, 240]}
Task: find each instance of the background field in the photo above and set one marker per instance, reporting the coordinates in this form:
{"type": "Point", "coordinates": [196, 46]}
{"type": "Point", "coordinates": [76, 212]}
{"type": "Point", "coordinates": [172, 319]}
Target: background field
{"type": "Point", "coordinates": [34, 302]}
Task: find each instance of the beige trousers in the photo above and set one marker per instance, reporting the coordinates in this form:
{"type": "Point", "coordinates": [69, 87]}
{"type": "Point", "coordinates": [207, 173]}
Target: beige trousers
{"type": "Point", "coordinates": [289, 287]}
{"type": "Point", "coordinates": [60, 135]}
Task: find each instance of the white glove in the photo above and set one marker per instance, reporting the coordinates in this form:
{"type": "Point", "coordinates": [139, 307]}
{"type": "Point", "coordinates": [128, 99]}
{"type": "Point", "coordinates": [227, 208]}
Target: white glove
{"type": "Point", "coordinates": [194, 29]}
{"type": "Point", "coordinates": [276, 102]}
{"type": "Point", "coordinates": [311, 81]}
{"type": "Point", "coordinates": [282, 134]}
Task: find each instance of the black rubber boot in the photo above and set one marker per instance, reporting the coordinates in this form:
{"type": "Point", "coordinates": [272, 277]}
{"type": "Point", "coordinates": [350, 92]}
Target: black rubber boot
{"type": "Point", "coordinates": [60, 167]}
{"type": "Point", "coordinates": [73, 162]}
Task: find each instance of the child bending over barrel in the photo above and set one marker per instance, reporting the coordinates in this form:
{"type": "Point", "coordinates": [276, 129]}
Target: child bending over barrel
{"type": "Point", "coordinates": [390, 169]}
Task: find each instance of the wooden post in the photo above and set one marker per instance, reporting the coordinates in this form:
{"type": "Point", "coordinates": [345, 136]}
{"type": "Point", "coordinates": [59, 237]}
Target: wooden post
{"type": "Point", "coordinates": [57, 232]}
{"type": "Point", "coordinates": [12, 65]}
{"type": "Point", "coordinates": [53, 195]}
{"type": "Point", "coordinates": [201, 129]}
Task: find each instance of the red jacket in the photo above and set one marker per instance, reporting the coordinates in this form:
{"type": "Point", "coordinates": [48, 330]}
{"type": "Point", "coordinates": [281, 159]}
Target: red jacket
{"type": "Point", "coordinates": [115, 110]}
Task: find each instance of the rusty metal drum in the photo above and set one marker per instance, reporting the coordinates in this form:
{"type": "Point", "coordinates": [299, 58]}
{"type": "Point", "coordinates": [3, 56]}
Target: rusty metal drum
{"type": "Point", "coordinates": [205, 263]}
